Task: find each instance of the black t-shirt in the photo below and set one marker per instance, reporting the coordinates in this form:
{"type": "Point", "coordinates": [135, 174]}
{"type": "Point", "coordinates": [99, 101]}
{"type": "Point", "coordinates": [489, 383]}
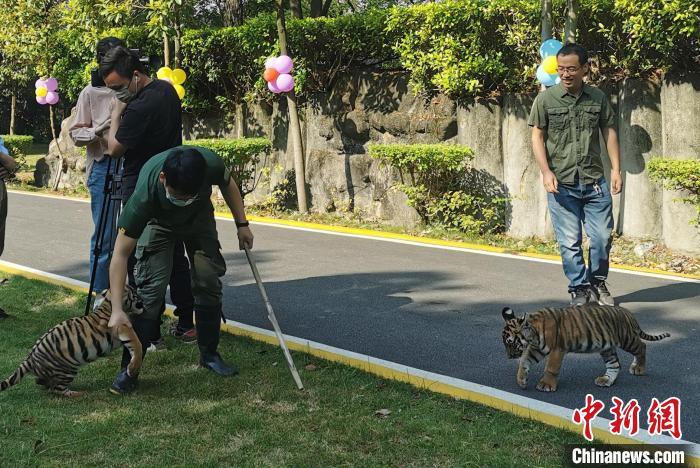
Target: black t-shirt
{"type": "Point", "coordinates": [150, 124]}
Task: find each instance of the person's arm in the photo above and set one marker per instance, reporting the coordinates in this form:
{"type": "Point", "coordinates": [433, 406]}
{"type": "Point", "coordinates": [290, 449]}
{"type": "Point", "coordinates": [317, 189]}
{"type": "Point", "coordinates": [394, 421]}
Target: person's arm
{"type": "Point", "coordinates": [114, 148]}
{"type": "Point", "coordinates": [538, 147]}
{"type": "Point", "coordinates": [234, 200]}
{"type": "Point", "coordinates": [613, 146]}
{"type": "Point", "coordinates": [117, 278]}
{"type": "Point", "coordinates": [8, 163]}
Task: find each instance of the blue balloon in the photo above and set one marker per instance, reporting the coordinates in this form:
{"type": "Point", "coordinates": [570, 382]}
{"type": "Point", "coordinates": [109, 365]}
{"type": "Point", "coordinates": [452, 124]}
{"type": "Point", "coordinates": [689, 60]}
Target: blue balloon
{"type": "Point", "coordinates": [545, 78]}
{"type": "Point", "coordinates": [550, 47]}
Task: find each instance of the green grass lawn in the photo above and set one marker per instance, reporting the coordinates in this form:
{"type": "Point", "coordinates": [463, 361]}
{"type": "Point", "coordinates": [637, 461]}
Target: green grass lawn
{"type": "Point", "coordinates": [183, 415]}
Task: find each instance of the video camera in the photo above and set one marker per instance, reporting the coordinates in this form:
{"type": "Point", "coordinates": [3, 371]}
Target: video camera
{"type": "Point", "coordinates": [152, 62]}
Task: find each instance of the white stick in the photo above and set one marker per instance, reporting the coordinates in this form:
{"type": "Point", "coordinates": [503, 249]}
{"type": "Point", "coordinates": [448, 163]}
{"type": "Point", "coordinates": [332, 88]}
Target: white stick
{"type": "Point", "coordinates": [273, 319]}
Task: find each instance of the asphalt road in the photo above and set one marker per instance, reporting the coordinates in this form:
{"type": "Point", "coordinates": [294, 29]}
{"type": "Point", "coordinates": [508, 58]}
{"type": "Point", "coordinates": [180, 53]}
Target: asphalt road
{"type": "Point", "coordinates": [433, 309]}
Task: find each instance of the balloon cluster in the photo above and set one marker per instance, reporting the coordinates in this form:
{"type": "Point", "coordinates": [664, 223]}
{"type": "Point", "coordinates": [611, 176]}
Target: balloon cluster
{"type": "Point", "coordinates": [46, 91]}
{"type": "Point", "coordinates": [547, 70]}
{"type": "Point", "coordinates": [174, 77]}
{"type": "Point", "coordinates": [277, 75]}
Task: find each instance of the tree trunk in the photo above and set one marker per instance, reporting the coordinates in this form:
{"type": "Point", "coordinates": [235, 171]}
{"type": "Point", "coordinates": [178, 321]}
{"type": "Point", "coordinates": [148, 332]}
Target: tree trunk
{"type": "Point", "coordinates": [59, 165]}
{"type": "Point", "coordinates": [570, 31]}
{"type": "Point", "coordinates": [546, 17]}
{"type": "Point", "coordinates": [166, 50]}
{"type": "Point", "coordinates": [295, 8]}
{"type": "Point", "coordinates": [13, 112]}
{"type": "Point", "coordinates": [294, 124]}
{"type": "Point", "coordinates": [316, 8]}
{"type": "Point", "coordinates": [326, 7]}
{"type": "Point", "coordinates": [233, 13]}
{"type": "Point", "coordinates": [177, 42]}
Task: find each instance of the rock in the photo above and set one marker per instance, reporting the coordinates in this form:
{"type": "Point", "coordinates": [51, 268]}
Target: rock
{"type": "Point", "coordinates": [640, 250]}
{"type": "Point", "coordinates": [72, 161]}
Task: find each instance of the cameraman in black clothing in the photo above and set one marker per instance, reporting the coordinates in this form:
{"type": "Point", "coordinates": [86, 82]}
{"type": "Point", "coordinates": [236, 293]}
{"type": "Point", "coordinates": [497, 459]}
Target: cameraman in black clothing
{"type": "Point", "coordinates": [147, 120]}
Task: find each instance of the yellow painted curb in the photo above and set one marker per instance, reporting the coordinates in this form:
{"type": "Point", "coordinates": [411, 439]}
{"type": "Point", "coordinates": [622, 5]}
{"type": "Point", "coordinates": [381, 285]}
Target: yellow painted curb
{"type": "Point", "coordinates": [389, 373]}
{"type": "Point", "coordinates": [440, 242]}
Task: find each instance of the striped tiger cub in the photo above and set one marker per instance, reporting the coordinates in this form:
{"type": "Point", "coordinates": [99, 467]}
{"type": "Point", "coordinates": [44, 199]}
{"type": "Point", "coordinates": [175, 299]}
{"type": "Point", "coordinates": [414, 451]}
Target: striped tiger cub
{"type": "Point", "coordinates": [580, 329]}
{"type": "Point", "coordinates": [58, 354]}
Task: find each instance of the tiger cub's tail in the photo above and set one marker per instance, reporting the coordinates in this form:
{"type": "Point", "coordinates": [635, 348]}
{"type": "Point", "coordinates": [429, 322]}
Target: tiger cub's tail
{"type": "Point", "coordinates": [16, 376]}
{"type": "Point", "coordinates": [647, 337]}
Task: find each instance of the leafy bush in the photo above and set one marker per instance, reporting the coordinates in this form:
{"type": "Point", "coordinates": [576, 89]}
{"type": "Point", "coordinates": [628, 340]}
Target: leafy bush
{"type": "Point", "coordinates": [18, 144]}
{"type": "Point", "coordinates": [242, 156]}
{"type": "Point", "coordinates": [679, 174]}
{"type": "Point", "coordinates": [435, 180]}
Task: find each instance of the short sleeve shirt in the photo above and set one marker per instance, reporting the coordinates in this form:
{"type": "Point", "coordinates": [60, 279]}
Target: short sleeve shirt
{"type": "Point", "coordinates": [572, 126]}
{"type": "Point", "coordinates": [151, 123]}
{"type": "Point", "coordinates": [149, 202]}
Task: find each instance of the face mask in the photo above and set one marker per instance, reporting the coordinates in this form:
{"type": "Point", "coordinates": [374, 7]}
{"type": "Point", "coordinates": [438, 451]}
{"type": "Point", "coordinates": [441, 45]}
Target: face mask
{"type": "Point", "coordinates": [178, 202]}
{"type": "Point", "coordinates": [124, 94]}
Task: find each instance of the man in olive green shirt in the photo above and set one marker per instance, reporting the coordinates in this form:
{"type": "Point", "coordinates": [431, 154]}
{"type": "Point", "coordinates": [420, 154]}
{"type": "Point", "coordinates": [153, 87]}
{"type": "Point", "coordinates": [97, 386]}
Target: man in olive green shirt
{"type": "Point", "coordinates": [171, 203]}
{"type": "Point", "coordinates": [567, 120]}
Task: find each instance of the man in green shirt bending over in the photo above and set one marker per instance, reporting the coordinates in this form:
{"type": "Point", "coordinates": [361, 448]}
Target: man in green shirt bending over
{"type": "Point", "coordinates": [172, 202]}
{"type": "Point", "coordinates": [566, 122]}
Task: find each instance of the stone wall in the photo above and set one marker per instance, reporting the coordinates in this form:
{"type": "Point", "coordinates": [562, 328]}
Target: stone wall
{"type": "Point", "coordinates": [654, 119]}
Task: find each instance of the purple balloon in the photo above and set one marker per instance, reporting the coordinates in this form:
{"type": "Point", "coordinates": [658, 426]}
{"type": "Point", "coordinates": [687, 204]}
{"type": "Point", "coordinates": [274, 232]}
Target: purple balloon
{"type": "Point", "coordinates": [285, 83]}
{"type": "Point", "coordinates": [41, 100]}
{"type": "Point", "coordinates": [52, 84]}
{"type": "Point", "coordinates": [273, 87]}
{"type": "Point", "coordinates": [283, 64]}
{"type": "Point", "coordinates": [51, 97]}
{"type": "Point", "coordinates": [39, 83]}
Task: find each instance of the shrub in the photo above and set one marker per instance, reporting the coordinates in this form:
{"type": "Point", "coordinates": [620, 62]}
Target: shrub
{"type": "Point", "coordinates": [679, 174]}
{"type": "Point", "coordinates": [436, 180]}
{"type": "Point", "coordinates": [19, 147]}
{"type": "Point", "coordinates": [242, 156]}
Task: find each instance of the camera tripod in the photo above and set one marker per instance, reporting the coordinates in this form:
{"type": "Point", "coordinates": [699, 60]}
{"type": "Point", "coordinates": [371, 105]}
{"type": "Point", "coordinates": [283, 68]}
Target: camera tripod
{"type": "Point", "coordinates": [112, 199]}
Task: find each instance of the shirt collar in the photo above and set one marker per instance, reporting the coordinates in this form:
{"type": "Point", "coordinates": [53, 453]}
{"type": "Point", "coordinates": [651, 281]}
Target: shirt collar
{"type": "Point", "coordinates": [561, 91]}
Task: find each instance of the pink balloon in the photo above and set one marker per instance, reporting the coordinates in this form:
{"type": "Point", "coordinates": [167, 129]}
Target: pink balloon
{"type": "Point", "coordinates": [39, 83]}
{"type": "Point", "coordinates": [273, 87]}
{"type": "Point", "coordinates": [270, 62]}
{"type": "Point", "coordinates": [285, 83]}
{"type": "Point", "coordinates": [41, 100]}
{"type": "Point", "coordinates": [51, 97]}
{"type": "Point", "coordinates": [283, 64]}
{"type": "Point", "coordinates": [52, 84]}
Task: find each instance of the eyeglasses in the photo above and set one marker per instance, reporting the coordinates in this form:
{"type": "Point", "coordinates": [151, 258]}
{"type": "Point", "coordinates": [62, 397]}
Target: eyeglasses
{"type": "Point", "coordinates": [571, 70]}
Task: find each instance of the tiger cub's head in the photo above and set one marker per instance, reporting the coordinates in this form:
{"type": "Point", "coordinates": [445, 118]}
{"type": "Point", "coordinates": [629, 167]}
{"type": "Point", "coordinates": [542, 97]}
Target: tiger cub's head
{"type": "Point", "coordinates": [515, 333]}
{"type": "Point", "coordinates": [131, 302]}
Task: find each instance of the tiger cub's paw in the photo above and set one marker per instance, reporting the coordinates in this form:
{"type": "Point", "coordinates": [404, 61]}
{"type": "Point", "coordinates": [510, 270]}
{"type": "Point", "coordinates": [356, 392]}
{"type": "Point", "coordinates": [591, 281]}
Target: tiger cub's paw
{"type": "Point", "coordinates": [546, 386]}
{"type": "Point", "coordinates": [636, 369]}
{"type": "Point", "coordinates": [604, 381]}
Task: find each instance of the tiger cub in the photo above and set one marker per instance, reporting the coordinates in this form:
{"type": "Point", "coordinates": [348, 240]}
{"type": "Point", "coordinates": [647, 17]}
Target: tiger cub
{"type": "Point", "coordinates": [580, 329]}
{"type": "Point", "coordinates": [59, 353]}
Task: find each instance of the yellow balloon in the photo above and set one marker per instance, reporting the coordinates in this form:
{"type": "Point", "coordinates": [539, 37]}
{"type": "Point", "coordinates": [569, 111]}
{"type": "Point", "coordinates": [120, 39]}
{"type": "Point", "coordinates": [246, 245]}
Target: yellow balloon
{"type": "Point", "coordinates": [42, 91]}
{"type": "Point", "coordinates": [549, 65]}
{"type": "Point", "coordinates": [179, 76]}
{"type": "Point", "coordinates": [164, 72]}
{"type": "Point", "coordinates": [180, 90]}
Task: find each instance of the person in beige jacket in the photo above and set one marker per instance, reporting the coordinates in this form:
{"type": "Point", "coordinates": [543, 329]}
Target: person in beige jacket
{"type": "Point", "coordinates": [90, 127]}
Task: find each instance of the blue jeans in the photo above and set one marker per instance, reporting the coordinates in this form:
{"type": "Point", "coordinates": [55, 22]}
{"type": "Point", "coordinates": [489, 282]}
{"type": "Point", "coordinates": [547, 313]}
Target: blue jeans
{"type": "Point", "coordinates": [96, 183]}
{"type": "Point", "coordinates": [590, 205]}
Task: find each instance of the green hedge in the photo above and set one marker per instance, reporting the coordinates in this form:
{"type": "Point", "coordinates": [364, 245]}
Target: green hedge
{"type": "Point", "coordinates": [679, 174]}
{"type": "Point", "coordinates": [226, 64]}
{"type": "Point", "coordinates": [437, 180]}
{"type": "Point", "coordinates": [18, 145]}
{"type": "Point", "coordinates": [242, 155]}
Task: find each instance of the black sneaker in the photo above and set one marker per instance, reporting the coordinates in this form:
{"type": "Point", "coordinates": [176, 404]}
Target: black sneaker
{"type": "Point", "coordinates": [602, 294]}
{"type": "Point", "coordinates": [214, 363]}
{"type": "Point", "coordinates": [579, 296]}
{"type": "Point", "coordinates": [124, 383]}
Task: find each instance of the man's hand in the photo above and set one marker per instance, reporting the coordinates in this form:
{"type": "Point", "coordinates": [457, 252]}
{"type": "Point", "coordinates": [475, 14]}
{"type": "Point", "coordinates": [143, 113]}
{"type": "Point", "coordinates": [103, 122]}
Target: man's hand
{"type": "Point", "coordinates": [118, 318]}
{"type": "Point", "coordinates": [245, 237]}
{"type": "Point", "coordinates": [550, 182]}
{"type": "Point", "coordinates": [4, 173]}
{"type": "Point", "coordinates": [616, 182]}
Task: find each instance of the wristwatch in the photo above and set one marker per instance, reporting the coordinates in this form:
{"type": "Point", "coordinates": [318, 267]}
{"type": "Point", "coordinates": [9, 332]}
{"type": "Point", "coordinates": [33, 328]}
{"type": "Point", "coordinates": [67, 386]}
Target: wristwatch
{"type": "Point", "coordinates": [243, 224]}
